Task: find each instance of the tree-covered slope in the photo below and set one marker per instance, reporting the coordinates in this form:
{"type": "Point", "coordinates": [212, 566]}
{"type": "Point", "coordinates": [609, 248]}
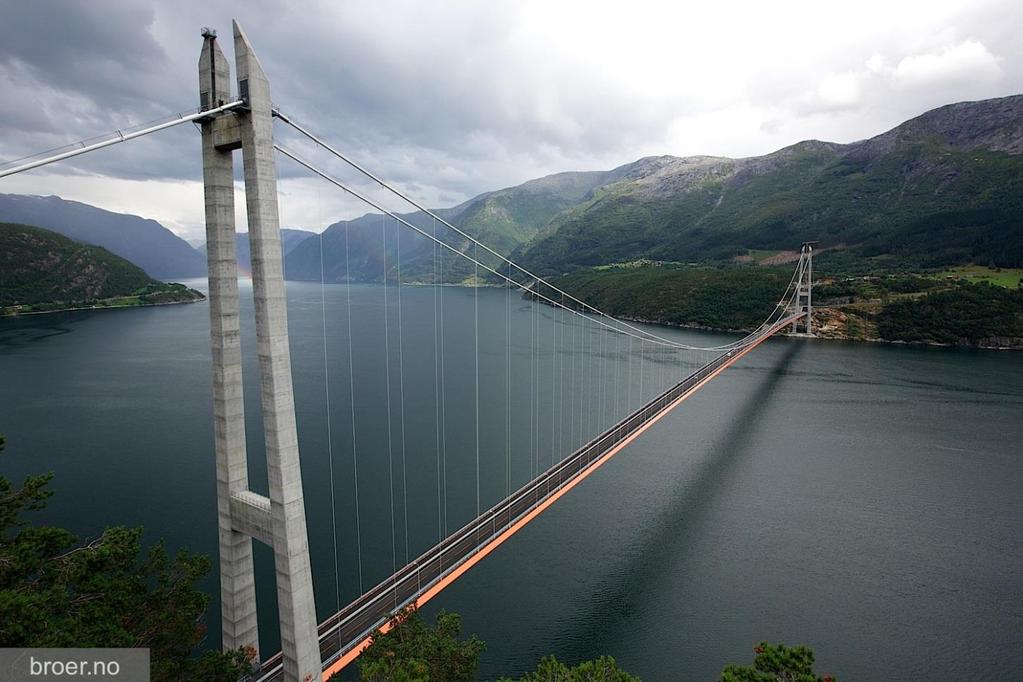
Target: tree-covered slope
{"type": "Point", "coordinates": [969, 314]}
{"type": "Point", "coordinates": [930, 308]}
{"type": "Point", "coordinates": [43, 270]}
{"type": "Point", "coordinates": [729, 297]}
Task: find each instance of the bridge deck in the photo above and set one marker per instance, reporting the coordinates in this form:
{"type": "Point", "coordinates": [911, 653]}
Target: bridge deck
{"type": "Point", "coordinates": [345, 634]}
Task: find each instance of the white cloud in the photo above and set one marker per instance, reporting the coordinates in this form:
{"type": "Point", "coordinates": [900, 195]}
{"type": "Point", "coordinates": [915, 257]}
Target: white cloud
{"type": "Point", "coordinates": [838, 91]}
{"type": "Point", "coordinates": [177, 204]}
{"type": "Point", "coordinates": [969, 64]}
{"type": "Point", "coordinates": [876, 63]}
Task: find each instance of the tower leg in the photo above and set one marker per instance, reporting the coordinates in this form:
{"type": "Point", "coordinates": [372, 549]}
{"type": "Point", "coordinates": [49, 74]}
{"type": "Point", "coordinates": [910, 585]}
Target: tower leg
{"type": "Point", "coordinates": [299, 640]}
{"type": "Point", "coordinates": [799, 288]}
{"type": "Point", "coordinates": [809, 289]}
{"type": "Point", "coordinates": [237, 580]}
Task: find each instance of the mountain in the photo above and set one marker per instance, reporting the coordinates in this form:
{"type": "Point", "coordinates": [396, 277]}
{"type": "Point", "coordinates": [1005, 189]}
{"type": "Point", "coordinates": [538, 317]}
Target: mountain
{"type": "Point", "coordinates": [43, 270]}
{"type": "Point", "coordinates": [504, 220]}
{"type": "Point", "coordinates": [146, 243]}
{"type": "Point", "coordinates": [943, 188]}
{"type": "Point", "coordinates": [290, 238]}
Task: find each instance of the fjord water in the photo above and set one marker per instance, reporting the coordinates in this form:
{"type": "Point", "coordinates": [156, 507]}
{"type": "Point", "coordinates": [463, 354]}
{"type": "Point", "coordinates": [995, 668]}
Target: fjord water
{"type": "Point", "coordinates": [863, 500]}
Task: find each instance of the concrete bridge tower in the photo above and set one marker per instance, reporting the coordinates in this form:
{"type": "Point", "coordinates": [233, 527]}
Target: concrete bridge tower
{"type": "Point", "coordinates": [804, 289]}
{"type": "Point", "coordinates": [277, 520]}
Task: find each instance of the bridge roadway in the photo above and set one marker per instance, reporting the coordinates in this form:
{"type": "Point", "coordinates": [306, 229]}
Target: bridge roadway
{"type": "Point", "coordinates": [344, 635]}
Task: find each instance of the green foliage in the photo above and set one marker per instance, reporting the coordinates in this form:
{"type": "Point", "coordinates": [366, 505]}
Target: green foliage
{"type": "Point", "coordinates": [603, 669]}
{"type": "Point", "coordinates": [42, 270]}
{"type": "Point", "coordinates": [411, 651]}
{"type": "Point", "coordinates": [40, 266]}
{"type": "Point", "coordinates": [31, 496]}
{"type": "Point", "coordinates": [107, 592]}
{"type": "Point", "coordinates": [874, 287]}
{"type": "Point", "coordinates": [729, 297]}
{"type": "Point", "coordinates": [907, 307]}
{"type": "Point", "coordinates": [776, 663]}
{"type": "Point", "coordinates": [967, 314]}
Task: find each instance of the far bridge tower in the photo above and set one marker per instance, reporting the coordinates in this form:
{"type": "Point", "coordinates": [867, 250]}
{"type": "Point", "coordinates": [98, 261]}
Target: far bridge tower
{"type": "Point", "coordinates": [803, 301]}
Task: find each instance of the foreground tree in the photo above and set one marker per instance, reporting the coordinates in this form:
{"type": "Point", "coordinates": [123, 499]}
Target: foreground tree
{"type": "Point", "coordinates": [58, 592]}
{"type": "Point", "coordinates": [411, 651]}
{"type": "Point", "coordinates": [604, 669]}
{"type": "Point", "coordinates": [776, 663]}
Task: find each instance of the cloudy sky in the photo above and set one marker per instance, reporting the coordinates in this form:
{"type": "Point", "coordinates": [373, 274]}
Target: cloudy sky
{"type": "Point", "coordinates": [450, 99]}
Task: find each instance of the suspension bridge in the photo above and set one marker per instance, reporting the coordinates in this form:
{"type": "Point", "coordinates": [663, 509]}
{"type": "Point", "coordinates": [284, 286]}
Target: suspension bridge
{"type": "Point", "coordinates": [312, 649]}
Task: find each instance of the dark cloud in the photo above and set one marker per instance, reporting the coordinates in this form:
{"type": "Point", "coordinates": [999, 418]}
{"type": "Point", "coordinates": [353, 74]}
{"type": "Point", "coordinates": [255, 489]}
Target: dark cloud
{"type": "Point", "coordinates": [102, 50]}
{"type": "Point", "coordinates": [442, 94]}
{"type": "Point", "coordinates": [456, 98]}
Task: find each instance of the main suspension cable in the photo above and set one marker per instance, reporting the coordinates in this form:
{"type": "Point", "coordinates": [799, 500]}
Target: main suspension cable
{"type": "Point", "coordinates": [116, 137]}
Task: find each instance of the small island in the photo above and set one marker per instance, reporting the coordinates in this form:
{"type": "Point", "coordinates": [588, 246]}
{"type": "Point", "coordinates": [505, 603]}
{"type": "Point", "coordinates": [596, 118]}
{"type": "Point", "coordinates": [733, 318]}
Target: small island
{"type": "Point", "coordinates": [42, 271]}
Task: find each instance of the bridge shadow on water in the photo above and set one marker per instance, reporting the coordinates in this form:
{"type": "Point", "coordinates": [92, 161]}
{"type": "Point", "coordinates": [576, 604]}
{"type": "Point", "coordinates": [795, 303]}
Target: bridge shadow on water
{"type": "Point", "coordinates": [656, 551]}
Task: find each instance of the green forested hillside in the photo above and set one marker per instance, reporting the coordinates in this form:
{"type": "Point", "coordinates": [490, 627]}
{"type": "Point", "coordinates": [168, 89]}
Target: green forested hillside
{"type": "Point", "coordinates": [945, 188]}
{"type": "Point", "coordinates": [968, 314]}
{"type": "Point", "coordinates": [42, 270]}
{"type": "Point", "coordinates": [932, 307]}
{"type": "Point", "coordinates": [737, 298]}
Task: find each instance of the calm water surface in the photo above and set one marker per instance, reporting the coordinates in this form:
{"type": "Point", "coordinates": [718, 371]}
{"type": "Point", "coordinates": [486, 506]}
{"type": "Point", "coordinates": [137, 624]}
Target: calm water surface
{"type": "Point", "coordinates": [862, 500]}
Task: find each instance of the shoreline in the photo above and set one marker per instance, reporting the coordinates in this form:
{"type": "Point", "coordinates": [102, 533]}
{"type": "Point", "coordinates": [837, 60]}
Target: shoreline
{"type": "Point", "coordinates": [6, 316]}
{"type": "Point", "coordinates": [627, 318]}
{"type": "Point", "coordinates": [672, 325]}
{"type": "Point", "coordinates": [844, 339]}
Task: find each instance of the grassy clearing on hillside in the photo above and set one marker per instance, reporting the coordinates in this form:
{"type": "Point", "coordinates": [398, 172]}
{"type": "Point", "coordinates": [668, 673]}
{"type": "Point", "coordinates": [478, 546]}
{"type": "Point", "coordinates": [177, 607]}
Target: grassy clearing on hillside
{"type": "Point", "coordinates": [1001, 277]}
{"type": "Point", "coordinates": [759, 255]}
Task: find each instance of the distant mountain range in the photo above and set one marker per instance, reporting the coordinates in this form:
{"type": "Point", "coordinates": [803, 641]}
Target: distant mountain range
{"type": "Point", "coordinates": [943, 188]}
{"type": "Point", "coordinates": [504, 220]}
{"type": "Point", "coordinates": [290, 238]}
{"type": "Point", "coordinates": [146, 243]}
